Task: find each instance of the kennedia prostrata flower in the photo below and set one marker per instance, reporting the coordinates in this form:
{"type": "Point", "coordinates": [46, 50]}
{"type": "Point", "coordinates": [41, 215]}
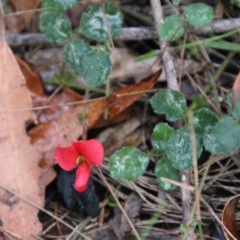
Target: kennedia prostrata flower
{"type": "Point", "coordinates": [80, 154]}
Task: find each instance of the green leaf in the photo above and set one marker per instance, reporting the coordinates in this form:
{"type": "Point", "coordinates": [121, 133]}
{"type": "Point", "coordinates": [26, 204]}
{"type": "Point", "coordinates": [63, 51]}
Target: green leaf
{"type": "Point", "coordinates": [128, 163]}
{"type": "Point", "coordinates": [59, 5]}
{"type": "Point", "coordinates": [169, 102]}
{"type": "Point", "coordinates": [228, 46]}
{"type": "Point", "coordinates": [161, 135]}
{"type": "Point", "coordinates": [204, 120]}
{"type": "Point", "coordinates": [165, 169]}
{"type": "Point", "coordinates": [224, 137]}
{"type": "Point", "coordinates": [96, 66]}
{"type": "Point", "coordinates": [179, 150]}
{"type": "Point", "coordinates": [55, 27]}
{"type": "Point", "coordinates": [236, 2]}
{"type": "Point", "coordinates": [73, 54]}
{"type": "Point", "coordinates": [171, 29]}
{"type": "Point", "coordinates": [93, 21]}
{"type": "Point", "coordinates": [150, 54]}
{"type": "Point", "coordinates": [198, 14]}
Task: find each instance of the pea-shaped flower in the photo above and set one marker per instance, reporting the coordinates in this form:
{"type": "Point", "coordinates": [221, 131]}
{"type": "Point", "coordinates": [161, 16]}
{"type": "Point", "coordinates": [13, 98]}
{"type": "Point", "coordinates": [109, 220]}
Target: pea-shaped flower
{"type": "Point", "coordinates": [80, 154]}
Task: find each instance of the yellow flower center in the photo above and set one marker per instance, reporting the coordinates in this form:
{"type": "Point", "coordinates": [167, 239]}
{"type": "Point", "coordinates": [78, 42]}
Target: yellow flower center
{"type": "Point", "coordinates": [81, 160]}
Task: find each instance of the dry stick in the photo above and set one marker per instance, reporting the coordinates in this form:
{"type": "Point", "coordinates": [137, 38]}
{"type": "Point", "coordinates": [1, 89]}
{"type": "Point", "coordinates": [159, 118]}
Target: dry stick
{"type": "Point", "coordinates": [195, 169]}
{"type": "Point", "coordinates": [166, 57]}
{"type": "Point", "coordinates": [173, 84]}
{"type": "Point", "coordinates": [131, 33]}
{"type": "Point", "coordinates": [119, 204]}
{"type": "Point", "coordinates": [45, 211]}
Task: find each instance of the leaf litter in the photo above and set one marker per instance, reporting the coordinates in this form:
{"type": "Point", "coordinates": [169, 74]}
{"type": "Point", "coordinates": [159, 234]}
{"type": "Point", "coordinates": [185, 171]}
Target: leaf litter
{"type": "Point", "coordinates": [19, 158]}
{"type": "Point", "coordinates": [146, 186]}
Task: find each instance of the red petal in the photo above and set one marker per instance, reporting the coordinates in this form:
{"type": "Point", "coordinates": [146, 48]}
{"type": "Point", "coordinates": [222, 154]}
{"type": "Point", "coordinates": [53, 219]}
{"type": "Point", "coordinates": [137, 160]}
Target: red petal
{"type": "Point", "coordinates": [82, 176]}
{"type": "Point", "coordinates": [92, 150]}
{"type": "Point", "coordinates": [66, 157]}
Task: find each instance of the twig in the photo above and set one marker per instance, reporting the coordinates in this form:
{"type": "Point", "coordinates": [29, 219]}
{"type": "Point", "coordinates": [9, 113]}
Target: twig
{"type": "Point", "coordinates": [132, 33]}
{"type": "Point", "coordinates": [166, 57]}
{"type": "Point", "coordinates": [173, 84]}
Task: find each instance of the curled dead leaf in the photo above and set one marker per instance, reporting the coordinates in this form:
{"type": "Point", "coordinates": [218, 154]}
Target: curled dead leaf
{"type": "Point", "coordinates": [228, 218]}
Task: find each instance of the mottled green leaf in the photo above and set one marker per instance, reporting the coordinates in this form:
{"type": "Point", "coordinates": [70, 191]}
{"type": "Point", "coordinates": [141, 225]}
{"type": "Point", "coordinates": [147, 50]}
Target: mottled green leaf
{"type": "Point", "coordinates": [59, 5]}
{"type": "Point", "coordinates": [96, 66]}
{"type": "Point", "coordinates": [128, 163]}
{"type": "Point", "coordinates": [93, 22]}
{"type": "Point", "coordinates": [55, 27]}
{"type": "Point", "coordinates": [161, 135]}
{"type": "Point", "coordinates": [165, 169]}
{"type": "Point", "coordinates": [204, 120]}
{"type": "Point", "coordinates": [169, 102]}
{"type": "Point", "coordinates": [171, 29]}
{"type": "Point", "coordinates": [198, 14]}
{"type": "Point", "coordinates": [224, 137]}
{"type": "Point", "coordinates": [73, 54]}
{"type": "Point", "coordinates": [179, 150]}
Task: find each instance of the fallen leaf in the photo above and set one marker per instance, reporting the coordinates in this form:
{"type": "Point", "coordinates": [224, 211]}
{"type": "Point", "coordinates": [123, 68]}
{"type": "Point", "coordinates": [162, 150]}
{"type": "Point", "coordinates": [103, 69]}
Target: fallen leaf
{"type": "Point", "coordinates": [125, 114]}
{"type": "Point", "coordinates": [17, 22]}
{"type": "Point", "coordinates": [60, 101]}
{"type": "Point", "coordinates": [228, 219]}
{"type": "Point", "coordinates": [18, 158]}
{"type": "Point", "coordinates": [132, 207]}
{"type": "Point", "coordinates": [65, 129]}
{"type": "Point", "coordinates": [126, 96]}
{"type": "Point", "coordinates": [32, 78]}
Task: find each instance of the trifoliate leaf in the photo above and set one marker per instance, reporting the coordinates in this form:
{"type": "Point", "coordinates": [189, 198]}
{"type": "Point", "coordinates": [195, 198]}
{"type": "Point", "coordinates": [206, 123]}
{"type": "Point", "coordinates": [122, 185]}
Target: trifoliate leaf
{"type": "Point", "coordinates": [96, 24]}
{"type": "Point", "coordinates": [165, 169]}
{"type": "Point", "coordinates": [59, 5]}
{"type": "Point", "coordinates": [128, 163]}
{"type": "Point", "coordinates": [198, 14]}
{"type": "Point", "coordinates": [55, 27]}
{"type": "Point", "coordinates": [161, 135]}
{"type": "Point", "coordinates": [73, 54]}
{"type": "Point", "coordinates": [96, 66]}
{"type": "Point", "coordinates": [179, 149]}
{"type": "Point", "coordinates": [224, 137]}
{"type": "Point", "coordinates": [169, 102]}
{"type": "Point", "coordinates": [171, 29]}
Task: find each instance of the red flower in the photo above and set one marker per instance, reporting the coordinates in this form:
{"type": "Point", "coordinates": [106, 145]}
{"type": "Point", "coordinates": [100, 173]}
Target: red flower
{"type": "Point", "coordinates": [82, 154]}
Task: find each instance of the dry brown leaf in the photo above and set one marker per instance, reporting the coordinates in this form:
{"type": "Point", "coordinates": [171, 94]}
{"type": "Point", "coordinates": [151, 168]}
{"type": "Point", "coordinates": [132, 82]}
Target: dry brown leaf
{"type": "Point", "coordinates": [18, 158]}
{"type": "Point", "coordinates": [128, 97]}
{"type": "Point", "coordinates": [17, 22]}
{"type": "Point", "coordinates": [66, 96]}
{"type": "Point", "coordinates": [32, 78]}
{"type": "Point", "coordinates": [119, 109]}
{"type": "Point", "coordinates": [63, 130]}
{"type": "Point", "coordinates": [228, 219]}
{"type": "Point", "coordinates": [132, 207]}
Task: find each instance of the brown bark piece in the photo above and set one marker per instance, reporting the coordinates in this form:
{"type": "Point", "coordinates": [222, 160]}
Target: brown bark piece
{"type": "Point", "coordinates": [18, 158]}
